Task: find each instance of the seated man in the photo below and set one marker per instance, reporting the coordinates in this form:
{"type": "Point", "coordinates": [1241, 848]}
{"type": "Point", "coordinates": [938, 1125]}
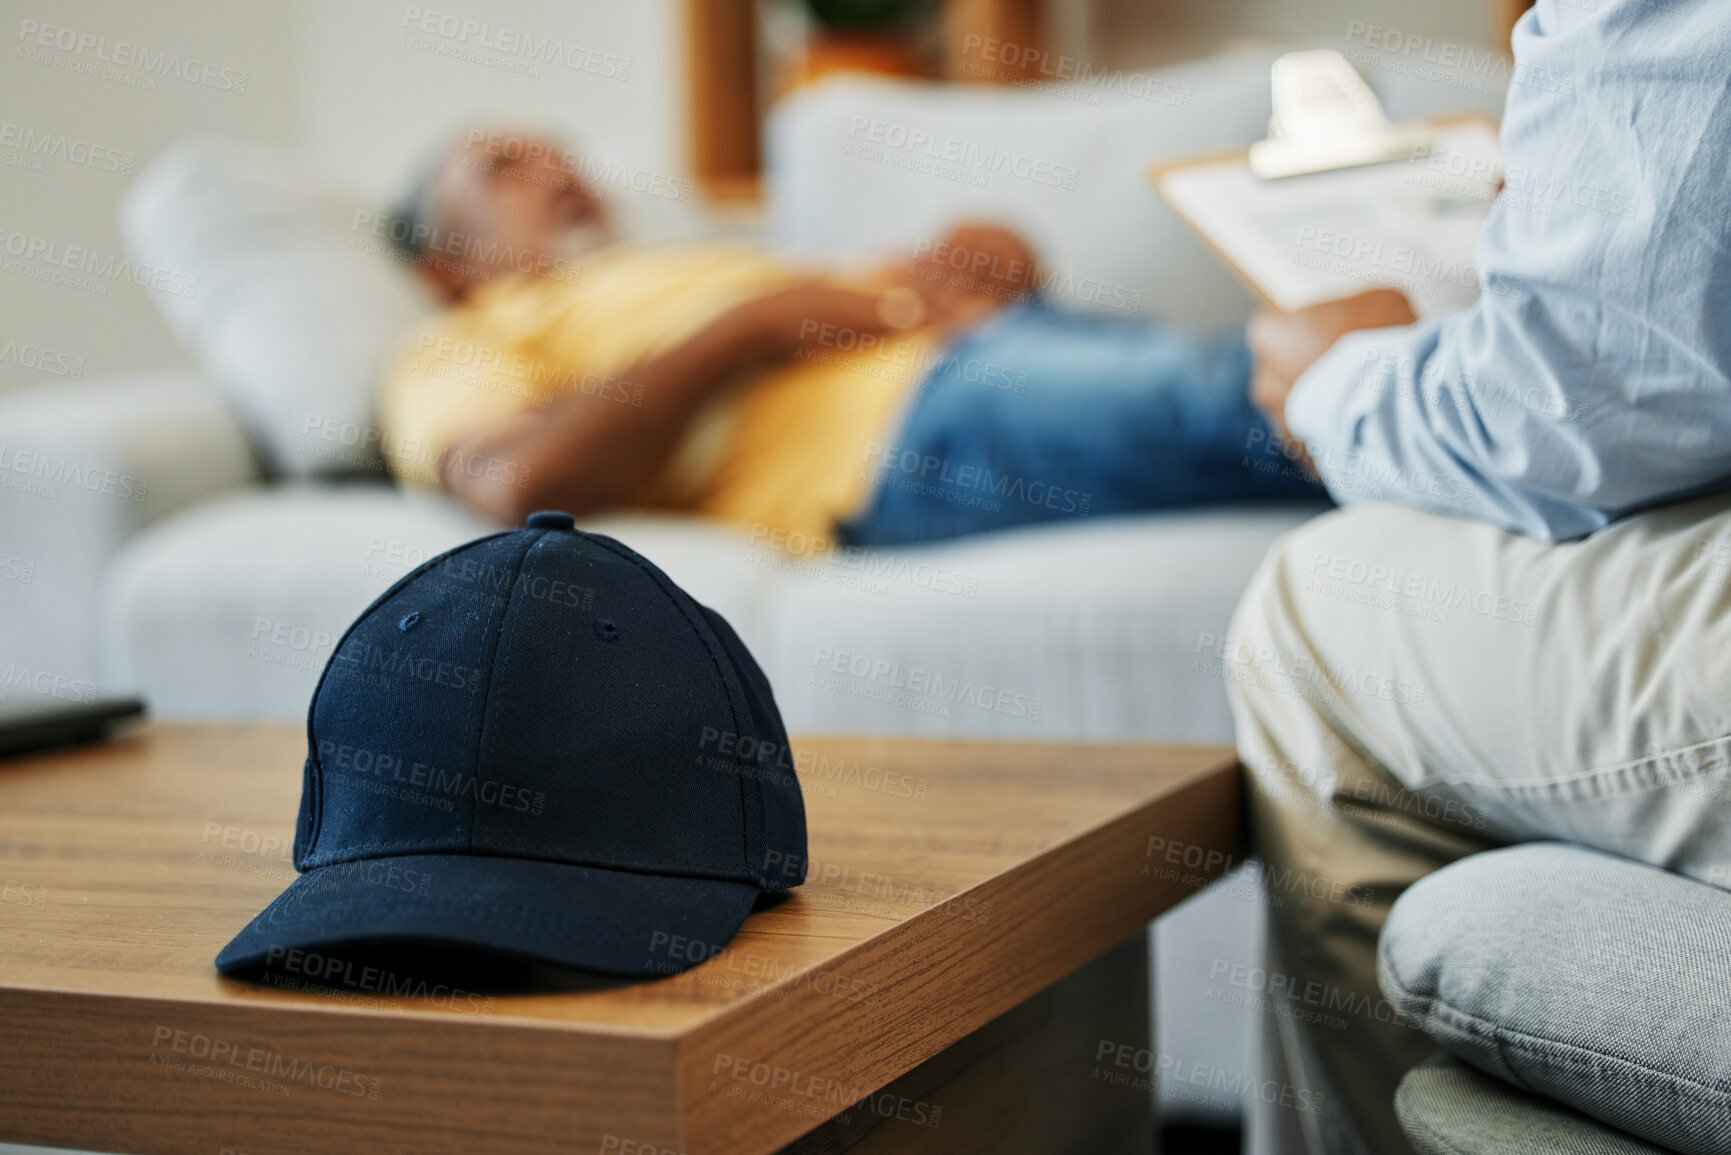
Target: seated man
{"type": "Point", "coordinates": [911, 403]}
{"type": "Point", "coordinates": [1542, 648]}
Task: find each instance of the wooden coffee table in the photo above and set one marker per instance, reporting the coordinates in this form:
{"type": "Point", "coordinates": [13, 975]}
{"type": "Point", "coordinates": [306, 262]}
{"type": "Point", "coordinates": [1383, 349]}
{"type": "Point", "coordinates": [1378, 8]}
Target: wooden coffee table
{"type": "Point", "coordinates": [965, 970]}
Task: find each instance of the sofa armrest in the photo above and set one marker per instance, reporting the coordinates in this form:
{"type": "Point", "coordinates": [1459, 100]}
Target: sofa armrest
{"type": "Point", "coordinates": [84, 466]}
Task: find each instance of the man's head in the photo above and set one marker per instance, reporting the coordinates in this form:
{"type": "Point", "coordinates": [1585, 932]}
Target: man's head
{"type": "Point", "coordinates": [497, 203]}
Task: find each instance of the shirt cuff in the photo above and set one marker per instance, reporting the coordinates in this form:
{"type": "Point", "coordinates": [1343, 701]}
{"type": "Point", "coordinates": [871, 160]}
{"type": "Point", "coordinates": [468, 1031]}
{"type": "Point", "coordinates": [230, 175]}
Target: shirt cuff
{"type": "Point", "coordinates": [1319, 410]}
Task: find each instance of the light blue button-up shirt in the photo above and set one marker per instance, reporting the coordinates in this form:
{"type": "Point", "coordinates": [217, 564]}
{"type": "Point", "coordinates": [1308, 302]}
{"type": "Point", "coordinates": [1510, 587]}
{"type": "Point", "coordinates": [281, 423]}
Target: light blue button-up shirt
{"type": "Point", "coordinates": [1592, 377]}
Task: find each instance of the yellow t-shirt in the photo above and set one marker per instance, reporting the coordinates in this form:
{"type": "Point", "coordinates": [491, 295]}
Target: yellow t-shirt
{"type": "Point", "coordinates": [787, 447]}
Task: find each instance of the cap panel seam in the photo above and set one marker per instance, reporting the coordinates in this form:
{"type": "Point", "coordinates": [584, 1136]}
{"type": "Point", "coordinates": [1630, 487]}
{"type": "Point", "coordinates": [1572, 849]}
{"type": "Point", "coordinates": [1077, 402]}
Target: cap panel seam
{"type": "Point", "coordinates": [752, 783]}
{"type": "Point", "coordinates": [502, 658]}
{"type": "Point", "coordinates": [497, 618]}
{"type": "Point", "coordinates": [701, 630]}
{"type": "Point", "coordinates": [316, 777]}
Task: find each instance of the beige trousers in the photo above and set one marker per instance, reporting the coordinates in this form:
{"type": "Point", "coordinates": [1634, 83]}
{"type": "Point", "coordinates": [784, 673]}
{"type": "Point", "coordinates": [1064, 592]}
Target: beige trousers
{"type": "Point", "coordinates": [1410, 689]}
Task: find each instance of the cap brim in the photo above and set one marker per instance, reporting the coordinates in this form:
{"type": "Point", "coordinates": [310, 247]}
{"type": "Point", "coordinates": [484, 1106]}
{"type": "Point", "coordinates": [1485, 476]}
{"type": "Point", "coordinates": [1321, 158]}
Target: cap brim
{"type": "Point", "coordinates": [613, 922]}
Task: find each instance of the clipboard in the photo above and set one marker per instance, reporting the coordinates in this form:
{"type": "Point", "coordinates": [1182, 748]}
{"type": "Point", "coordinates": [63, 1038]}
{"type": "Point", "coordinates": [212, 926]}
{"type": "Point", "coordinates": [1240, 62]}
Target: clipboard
{"type": "Point", "coordinates": [1359, 203]}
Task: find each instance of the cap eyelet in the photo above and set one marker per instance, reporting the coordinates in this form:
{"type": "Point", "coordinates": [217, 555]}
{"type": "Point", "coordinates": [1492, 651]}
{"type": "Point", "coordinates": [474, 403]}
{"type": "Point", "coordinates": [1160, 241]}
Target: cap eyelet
{"type": "Point", "coordinates": [410, 620]}
{"type": "Point", "coordinates": [606, 630]}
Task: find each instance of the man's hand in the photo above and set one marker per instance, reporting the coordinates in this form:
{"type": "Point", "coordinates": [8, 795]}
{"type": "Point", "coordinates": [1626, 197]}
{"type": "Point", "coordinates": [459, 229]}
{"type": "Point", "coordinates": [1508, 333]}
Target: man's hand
{"type": "Point", "coordinates": [977, 267]}
{"type": "Point", "coordinates": [1284, 345]}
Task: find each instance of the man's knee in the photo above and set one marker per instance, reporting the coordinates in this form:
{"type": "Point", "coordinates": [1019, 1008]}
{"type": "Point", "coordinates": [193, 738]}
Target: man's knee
{"type": "Point", "coordinates": [1259, 605]}
{"type": "Point", "coordinates": [1312, 575]}
{"type": "Point", "coordinates": [1263, 647]}
{"type": "Point", "coordinates": [1279, 704]}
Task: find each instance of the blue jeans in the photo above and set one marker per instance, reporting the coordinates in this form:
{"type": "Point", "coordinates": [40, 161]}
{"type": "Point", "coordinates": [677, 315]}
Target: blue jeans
{"type": "Point", "coordinates": [1039, 415]}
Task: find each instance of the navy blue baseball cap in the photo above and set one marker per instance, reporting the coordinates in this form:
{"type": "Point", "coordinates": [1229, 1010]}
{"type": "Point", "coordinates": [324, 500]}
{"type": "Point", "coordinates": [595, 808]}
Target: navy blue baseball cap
{"type": "Point", "coordinates": [537, 745]}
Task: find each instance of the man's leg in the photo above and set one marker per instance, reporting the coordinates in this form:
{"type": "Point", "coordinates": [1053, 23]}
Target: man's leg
{"type": "Point", "coordinates": [1039, 415]}
{"type": "Point", "coordinates": [1410, 689]}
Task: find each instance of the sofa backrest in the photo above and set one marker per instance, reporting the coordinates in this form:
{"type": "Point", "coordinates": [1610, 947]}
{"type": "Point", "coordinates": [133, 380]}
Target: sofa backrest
{"type": "Point", "coordinates": [862, 167]}
{"type": "Point", "coordinates": [874, 167]}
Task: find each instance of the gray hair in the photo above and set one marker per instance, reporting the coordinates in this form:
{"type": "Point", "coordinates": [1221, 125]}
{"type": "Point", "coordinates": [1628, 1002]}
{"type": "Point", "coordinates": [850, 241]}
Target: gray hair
{"type": "Point", "coordinates": [414, 220]}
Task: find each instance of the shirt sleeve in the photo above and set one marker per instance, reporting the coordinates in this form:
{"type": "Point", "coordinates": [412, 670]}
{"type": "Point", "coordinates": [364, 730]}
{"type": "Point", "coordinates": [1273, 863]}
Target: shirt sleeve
{"type": "Point", "coordinates": [1590, 378]}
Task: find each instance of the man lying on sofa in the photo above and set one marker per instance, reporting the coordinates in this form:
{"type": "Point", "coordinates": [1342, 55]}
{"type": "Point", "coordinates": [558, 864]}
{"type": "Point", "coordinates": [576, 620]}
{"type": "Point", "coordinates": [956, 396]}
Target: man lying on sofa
{"type": "Point", "coordinates": [1521, 627]}
{"type": "Point", "coordinates": [914, 402]}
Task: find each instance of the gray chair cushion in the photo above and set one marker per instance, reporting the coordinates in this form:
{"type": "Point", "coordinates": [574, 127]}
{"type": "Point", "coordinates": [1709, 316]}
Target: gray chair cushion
{"type": "Point", "coordinates": [1450, 1109]}
{"type": "Point", "coordinates": [1596, 981]}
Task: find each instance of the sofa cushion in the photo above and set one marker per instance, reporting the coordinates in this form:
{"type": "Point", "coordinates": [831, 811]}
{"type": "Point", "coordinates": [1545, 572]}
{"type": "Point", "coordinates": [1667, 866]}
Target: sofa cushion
{"type": "Point", "coordinates": [225, 612]}
{"type": "Point", "coordinates": [1593, 980]}
{"type": "Point", "coordinates": [229, 611]}
{"type": "Point", "coordinates": [1450, 1109]}
{"type": "Point", "coordinates": [279, 290]}
{"type": "Point", "coordinates": [1097, 630]}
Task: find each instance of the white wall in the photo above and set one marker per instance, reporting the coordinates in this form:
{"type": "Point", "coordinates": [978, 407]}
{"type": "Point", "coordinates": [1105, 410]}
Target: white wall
{"type": "Point", "coordinates": [383, 91]}
{"type": "Point", "coordinates": [47, 94]}
{"type": "Point", "coordinates": [334, 78]}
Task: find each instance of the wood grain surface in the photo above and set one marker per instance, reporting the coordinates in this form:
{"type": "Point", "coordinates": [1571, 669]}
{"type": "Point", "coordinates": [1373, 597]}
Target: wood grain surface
{"type": "Point", "coordinates": [949, 882]}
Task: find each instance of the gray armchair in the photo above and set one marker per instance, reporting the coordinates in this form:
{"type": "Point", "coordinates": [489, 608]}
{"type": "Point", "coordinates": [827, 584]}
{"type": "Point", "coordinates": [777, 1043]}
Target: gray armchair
{"type": "Point", "coordinates": [1584, 1001]}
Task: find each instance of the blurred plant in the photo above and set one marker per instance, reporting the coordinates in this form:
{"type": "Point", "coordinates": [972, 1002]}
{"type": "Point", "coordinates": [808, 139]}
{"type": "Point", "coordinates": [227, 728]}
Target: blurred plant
{"type": "Point", "coordinates": [870, 15]}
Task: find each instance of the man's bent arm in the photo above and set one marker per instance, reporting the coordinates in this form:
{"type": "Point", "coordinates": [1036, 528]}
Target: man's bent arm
{"type": "Point", "coordinates": [586, 453]}
{"type": "Point", "coordinates": [1593, 375]}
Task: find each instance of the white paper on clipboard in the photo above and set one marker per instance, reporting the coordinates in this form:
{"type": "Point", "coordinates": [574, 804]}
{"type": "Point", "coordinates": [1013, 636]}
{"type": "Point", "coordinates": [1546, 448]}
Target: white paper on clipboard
{"type": "Point", "coordinates": [1410, 223]}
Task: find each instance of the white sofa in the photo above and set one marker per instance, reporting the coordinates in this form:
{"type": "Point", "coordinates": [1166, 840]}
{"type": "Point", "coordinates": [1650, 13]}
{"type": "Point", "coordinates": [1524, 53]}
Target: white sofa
{"type": "Point", "coordinates": [187, 538]}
